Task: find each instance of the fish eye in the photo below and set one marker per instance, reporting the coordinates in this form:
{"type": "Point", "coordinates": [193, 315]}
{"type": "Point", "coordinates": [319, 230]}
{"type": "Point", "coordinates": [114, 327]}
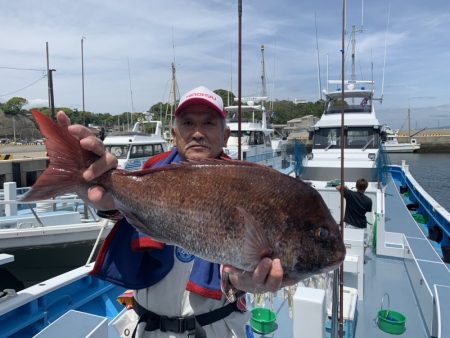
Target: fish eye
{"type": "Point", "coordinates": [322, 233]}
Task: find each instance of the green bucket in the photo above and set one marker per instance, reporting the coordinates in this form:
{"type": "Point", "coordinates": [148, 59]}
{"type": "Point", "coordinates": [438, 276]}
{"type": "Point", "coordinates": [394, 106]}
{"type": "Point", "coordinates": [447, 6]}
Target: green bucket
{"type": "Point", "coordinates": [390, 321]}
{"type": "Point", "coordinates": [419, 218]}
{"type": "Point", "coordinates": [263, 320]}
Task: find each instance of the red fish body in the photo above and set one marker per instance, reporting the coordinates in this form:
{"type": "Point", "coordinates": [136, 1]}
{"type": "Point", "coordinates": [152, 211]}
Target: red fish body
{"type": "Point", "coordinates": [228, 212]}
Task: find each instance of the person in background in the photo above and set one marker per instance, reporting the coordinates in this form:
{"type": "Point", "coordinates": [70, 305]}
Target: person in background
{"type": "Point", "coordinates": [356, 207]}
{"type": "Point", "coordinates": [176, 294]}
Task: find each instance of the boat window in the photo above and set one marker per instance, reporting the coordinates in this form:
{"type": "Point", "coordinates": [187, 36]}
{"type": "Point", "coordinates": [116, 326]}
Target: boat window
{"type": "Point", "coordinates": [145, 150]}
{"type": "Point", "coordinates": [351, 105]}
{"type": "Point", "coordinates": [259, 137]}
{"type": "Point", "coordinates": [157, 149]}
{"type": "Point", "coordinates": [142, 150]}
{"type": "Point", "coordinates": [120, 151]}
{"type": "Point", "coordinates": [358, 138]}
{"type": "Point", "coordinates": [251, 138]}
{"type": "Point", "coordinates": [233, 139]}
{"type": "Point", "coordinates": [268, 140]}
{"type": "Point", "coordinates": [326, 138]}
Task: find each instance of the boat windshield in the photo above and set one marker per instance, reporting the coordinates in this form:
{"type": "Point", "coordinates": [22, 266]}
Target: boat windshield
{"type": "Point", "coordinates": [351, 105]}
{"type": "Point", "coordinates": [118, 150]}
{"type": "Point", "coordinates": [249, 138]}
{"type": "Point", "coordinates": [355, 138]}
{"type": "Point", "coordinates": [145, 150]}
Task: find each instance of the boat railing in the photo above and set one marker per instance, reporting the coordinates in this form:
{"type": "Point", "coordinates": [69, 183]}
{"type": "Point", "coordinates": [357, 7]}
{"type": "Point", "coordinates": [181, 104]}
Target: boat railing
{"type": "Point", "coordinates": [17, 214]}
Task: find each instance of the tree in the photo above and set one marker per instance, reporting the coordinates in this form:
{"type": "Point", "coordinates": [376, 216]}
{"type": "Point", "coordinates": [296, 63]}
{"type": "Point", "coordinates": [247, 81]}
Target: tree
{"type": "Point", "coordinates": [14, 105]}
{"type": "Point", "coordinates": [225, 95]}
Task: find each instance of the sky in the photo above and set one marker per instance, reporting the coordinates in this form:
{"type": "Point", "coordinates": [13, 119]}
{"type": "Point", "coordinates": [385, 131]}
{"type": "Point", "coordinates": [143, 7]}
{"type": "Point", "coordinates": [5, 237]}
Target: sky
{"type": "Point", "coordinates": [128, 48]}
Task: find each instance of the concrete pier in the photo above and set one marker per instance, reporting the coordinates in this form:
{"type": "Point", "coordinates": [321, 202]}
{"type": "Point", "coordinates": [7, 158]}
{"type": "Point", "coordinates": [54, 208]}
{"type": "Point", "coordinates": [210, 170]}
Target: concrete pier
{"type": "Point", "coordinates": [24, 164]}
{"type": "Point", "coordinates": [431, 140]}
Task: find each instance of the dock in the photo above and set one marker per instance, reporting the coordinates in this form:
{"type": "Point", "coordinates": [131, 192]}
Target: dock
{"type": "Point", "coordinates": [431, 140]}
{"type": "Point", "coordinates": [22, 163]}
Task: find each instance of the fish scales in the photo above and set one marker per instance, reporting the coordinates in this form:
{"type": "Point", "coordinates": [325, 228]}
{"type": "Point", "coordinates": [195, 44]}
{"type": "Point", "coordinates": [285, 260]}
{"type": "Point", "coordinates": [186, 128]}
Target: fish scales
{"type": "Point", "coordinates": [229, 212]}
{"type": "Point", "coordinates": [199, 213]}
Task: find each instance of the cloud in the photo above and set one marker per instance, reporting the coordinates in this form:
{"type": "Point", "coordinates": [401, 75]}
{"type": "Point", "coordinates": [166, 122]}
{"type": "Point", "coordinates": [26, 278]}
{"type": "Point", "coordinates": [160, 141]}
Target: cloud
{"type": "Point", "coordinates": [201, 36]}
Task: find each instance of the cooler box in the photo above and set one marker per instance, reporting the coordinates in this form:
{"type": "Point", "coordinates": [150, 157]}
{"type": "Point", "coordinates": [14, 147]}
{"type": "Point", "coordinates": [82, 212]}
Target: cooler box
{"type": "Point", "coordinates": [76, 324]}
{"type": "Point", "coordinates": [350, 314]}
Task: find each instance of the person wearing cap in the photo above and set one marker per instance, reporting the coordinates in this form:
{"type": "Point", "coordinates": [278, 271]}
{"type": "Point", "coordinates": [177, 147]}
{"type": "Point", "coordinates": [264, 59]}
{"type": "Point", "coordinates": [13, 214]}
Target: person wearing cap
{"type": "Point", "coordinates": [176, 293]}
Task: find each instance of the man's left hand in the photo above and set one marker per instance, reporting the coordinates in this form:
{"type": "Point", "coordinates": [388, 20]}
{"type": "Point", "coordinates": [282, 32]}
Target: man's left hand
{"type": "Point", "coordinates": [267, 277]}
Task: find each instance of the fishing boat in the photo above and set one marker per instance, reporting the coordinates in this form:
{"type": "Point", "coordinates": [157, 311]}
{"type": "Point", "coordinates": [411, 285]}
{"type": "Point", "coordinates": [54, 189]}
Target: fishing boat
{"type": "Point", "coordinates": [400, 285]}
{"type": "Point", "coordinates": [133, 148]}
{"type": "Point", "coordinates": [257, 141]}
{"type": "Point", "coordinates": [391, 145]}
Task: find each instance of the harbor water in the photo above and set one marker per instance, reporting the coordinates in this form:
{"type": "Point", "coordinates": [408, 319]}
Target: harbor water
{"type": "Point", "coordinates": [432, 172]}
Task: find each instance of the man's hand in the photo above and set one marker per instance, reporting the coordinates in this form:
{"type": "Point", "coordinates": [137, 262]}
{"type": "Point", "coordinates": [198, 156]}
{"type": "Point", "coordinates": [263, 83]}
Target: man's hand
{"type": "Point", "coordinates": [267, 277]}
{"type": "Point", "coordinates": [96, 194]}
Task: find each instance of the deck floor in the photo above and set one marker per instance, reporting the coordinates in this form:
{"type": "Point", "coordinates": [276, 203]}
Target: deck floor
{"type": "Point", "coordinates": [381, 275]}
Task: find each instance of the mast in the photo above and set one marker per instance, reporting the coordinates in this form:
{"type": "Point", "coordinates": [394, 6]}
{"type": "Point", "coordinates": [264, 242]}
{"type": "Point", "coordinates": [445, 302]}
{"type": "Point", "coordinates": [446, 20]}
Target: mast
{"type": "Point", "coordinates": [173, 93]}
{"type": "Point", "coordinates": [131, 97]}
{"type": "Point", "coordinates": [263, 89]}
{"type": "Point", "coordinates": [353, 41]}
{"type": "Point", "coordinates": [263, 74]}
{"type": "Point", "coordinates": [409, 124]}
{"type": "Point", "coordinates": [82, 79]}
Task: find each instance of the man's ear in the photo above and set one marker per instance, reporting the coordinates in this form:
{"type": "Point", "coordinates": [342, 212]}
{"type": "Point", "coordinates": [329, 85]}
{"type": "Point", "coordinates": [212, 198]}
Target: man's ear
{"type": "Point", "coordinates": [174, 134]}
{"type": "Point", "coordinates": [226, 135]}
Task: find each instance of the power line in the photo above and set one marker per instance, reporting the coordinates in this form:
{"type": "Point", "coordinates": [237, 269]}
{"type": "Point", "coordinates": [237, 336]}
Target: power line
{"type": "Point", "coordinates": [27, 86]}
{"type": "Point", "coordinates": [31, 69]}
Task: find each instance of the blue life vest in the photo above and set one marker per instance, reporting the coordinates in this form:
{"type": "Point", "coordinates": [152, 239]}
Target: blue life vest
{"type": "Point", "coordinates": [133, 260]}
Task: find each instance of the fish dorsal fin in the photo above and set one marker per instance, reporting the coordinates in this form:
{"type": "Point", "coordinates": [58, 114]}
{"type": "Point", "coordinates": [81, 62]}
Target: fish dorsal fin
{"type": "Point", "coordinates": [256, 245]}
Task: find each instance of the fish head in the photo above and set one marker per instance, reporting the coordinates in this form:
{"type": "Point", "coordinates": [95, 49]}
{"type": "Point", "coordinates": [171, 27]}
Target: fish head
{"type": "Point", "coordinates": [316, 243]}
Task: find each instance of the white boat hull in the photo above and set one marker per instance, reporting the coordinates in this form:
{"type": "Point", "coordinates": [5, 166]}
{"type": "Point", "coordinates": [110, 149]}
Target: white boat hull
{"type": "Point", "coordinates": [401, 148]}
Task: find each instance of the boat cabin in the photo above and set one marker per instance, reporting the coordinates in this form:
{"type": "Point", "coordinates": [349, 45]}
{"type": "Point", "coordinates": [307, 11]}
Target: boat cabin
{"type": "Point", "coordinates": [133, 148]}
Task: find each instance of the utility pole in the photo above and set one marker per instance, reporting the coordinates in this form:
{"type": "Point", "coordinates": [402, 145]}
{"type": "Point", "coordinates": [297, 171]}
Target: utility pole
{"type": "Point", "coordinates": [51, 102]}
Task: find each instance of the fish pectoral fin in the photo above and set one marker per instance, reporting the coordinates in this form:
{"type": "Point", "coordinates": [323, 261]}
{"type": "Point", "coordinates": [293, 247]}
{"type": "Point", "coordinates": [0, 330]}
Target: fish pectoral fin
{"type": "Point", "coordinates": [256, 245]}
{"type": "Point", "coordinates": [135, 222]}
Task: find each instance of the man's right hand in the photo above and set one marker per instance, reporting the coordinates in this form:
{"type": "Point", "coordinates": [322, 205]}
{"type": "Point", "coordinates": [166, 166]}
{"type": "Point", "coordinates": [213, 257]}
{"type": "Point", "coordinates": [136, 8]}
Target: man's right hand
{"type": "Point", "coordinates": [96, 195]}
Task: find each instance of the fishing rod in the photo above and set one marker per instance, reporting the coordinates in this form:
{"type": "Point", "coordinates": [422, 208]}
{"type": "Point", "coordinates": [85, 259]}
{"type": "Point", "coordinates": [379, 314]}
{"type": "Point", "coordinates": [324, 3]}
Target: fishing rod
{"type": "Point", "coordinates": [239, 75]}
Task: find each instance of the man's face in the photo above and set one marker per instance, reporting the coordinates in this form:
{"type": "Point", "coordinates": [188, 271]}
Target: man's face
{"type": "Point", "coordinates": [198, 133]}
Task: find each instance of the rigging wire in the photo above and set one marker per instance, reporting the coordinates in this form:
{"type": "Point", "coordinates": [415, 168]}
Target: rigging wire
{"type": "Point", "coordinates": [27, 86]}
{"type": "Point", "coordinates": [30, 69]}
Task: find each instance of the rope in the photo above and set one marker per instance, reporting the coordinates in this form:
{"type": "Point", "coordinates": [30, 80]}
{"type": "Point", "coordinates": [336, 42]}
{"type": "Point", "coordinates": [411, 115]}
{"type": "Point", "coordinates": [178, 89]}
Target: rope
{"type": "Point", "coordinates": [102, 227]}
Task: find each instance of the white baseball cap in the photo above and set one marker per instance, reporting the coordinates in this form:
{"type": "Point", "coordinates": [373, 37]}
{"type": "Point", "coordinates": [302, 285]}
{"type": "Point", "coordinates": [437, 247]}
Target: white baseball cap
{"type": "Point", "coordinates": [202, 95]}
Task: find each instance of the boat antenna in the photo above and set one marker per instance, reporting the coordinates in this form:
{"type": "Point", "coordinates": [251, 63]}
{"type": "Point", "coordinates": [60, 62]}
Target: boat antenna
{"type": "Point", "coordinates": [318, 58]}
{"type": "Point", "coordinates": [239, 75]}
{"type": "Point", "coordinates": [385, 52]}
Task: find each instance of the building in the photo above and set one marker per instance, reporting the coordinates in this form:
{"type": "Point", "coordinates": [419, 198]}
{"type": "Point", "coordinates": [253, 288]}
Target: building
{"type": "Point", "coordinates": [298, 128]}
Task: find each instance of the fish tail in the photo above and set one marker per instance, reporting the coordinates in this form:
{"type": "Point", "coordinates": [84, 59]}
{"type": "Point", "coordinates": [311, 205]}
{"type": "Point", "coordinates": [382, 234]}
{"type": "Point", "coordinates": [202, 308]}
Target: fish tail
{"type": "Point", "coordinates": [67, 162]}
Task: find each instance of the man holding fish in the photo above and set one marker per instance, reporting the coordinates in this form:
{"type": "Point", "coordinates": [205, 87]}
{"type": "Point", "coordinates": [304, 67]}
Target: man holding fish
{"type": "Point", "coordinates": [199, 132]}
{"type": "Point", "coordinates": [187, 240]}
